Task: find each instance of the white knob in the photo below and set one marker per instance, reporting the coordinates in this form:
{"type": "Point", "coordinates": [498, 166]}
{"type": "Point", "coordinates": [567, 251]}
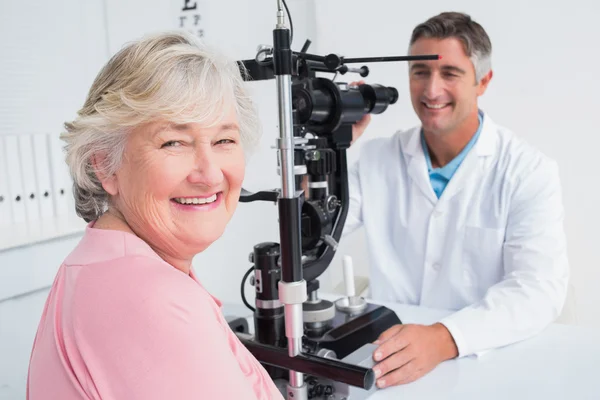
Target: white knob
{"type": "Point", "coordinates": [349, 276]}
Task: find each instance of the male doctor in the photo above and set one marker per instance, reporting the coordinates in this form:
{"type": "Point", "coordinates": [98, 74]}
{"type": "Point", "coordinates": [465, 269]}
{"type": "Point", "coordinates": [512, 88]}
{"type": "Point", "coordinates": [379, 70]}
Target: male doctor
{"type": "Point", "coordinates": [459, 213]}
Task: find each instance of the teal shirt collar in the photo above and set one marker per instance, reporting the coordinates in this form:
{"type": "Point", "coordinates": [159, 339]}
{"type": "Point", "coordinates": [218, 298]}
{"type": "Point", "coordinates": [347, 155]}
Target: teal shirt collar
{"type": "Point", "coordinates": [441, 176]}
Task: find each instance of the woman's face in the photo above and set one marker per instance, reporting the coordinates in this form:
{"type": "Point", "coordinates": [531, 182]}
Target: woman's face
{"type": "Point", "coordinates": [179, 185]}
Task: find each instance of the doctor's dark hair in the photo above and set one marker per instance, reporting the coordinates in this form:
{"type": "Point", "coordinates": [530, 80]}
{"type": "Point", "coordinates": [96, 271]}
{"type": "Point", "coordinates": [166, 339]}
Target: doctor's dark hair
{"type": "Point", "coordinates": [475, 40]}
{"type": "Point", "coordinates": [169, 76]}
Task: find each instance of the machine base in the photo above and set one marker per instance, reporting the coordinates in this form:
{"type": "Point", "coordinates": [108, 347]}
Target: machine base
{"type": "Point", "coordinates": [348, 332]}
{"type": "Point", "coordinates": [348, 337]}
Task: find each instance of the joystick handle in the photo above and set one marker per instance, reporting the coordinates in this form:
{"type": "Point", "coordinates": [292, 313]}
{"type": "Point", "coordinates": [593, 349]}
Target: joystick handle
{"type": "Point", "coordinates": [349, 276]}
{"type": "Point", "coordinates": [350, 304]}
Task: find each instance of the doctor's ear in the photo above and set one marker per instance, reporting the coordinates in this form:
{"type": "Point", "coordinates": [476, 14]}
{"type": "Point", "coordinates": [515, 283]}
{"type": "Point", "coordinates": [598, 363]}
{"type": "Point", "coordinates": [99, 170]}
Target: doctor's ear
{"type": "Point", "coordinates": [108, 182]}
{"type": "Point", "coordinates": [484, 82]}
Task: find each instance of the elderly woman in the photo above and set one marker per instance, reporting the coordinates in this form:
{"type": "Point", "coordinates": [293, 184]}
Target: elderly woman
{"type": "Point", "coordinates": [157, 155]}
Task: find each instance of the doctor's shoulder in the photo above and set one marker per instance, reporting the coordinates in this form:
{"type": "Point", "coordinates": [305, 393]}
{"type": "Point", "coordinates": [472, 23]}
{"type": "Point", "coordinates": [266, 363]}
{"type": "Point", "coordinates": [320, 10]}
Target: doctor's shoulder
{"type": "Point", "coordinates": [383, 148]}
{"type": "Point", "coordinates": [518, 159]}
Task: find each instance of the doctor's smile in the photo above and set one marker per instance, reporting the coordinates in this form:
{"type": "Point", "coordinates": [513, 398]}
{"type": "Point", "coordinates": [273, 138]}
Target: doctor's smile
{"type": "Point", "coordinates": [433, 106]}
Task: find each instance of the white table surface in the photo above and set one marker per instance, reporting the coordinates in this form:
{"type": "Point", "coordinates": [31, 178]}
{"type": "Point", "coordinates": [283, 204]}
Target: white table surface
{"type": "Point", "coordinates": [562, 362]}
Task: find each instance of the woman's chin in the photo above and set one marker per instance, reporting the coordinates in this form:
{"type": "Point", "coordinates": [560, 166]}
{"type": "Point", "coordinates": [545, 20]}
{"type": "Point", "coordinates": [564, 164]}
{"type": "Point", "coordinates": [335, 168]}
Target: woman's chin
{"type": "Point", "coordinates": [200, 241]}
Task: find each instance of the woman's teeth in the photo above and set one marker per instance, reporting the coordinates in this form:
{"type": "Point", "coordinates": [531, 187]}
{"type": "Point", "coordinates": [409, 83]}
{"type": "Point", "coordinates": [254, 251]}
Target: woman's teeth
{"type": "Point", "coordinates": [196, 200]}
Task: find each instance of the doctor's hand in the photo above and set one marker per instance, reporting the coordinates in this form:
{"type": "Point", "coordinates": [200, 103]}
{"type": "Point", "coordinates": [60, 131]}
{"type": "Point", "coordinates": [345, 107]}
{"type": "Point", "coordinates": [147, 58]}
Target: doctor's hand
{"type": "Point", "coordinates": [407, 352]}
{"type": "Point", "coordinates": [359, 127]}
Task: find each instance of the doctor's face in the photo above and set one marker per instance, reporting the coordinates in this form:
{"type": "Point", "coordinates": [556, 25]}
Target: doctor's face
{"type": "Point", "coordinates": [444, 92]}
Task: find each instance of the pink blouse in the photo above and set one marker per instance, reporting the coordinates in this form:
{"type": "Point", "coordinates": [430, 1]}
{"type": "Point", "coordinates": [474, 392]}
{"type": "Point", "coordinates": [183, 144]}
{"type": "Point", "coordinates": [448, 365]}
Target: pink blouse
{"type": "Point", "coordinates": [121, 323]}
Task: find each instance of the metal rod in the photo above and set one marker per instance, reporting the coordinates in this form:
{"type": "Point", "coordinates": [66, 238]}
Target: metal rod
{"type": "Point", "coordinates": [296, 379]}
{"type": "Point", "coordinates": [286, 136]}
{"type": "Point", "coordinates": [394, 58]}
{"type": "Point", "coordinates": [308, 56]}
{"type": "Point", "coordinates": [327, 368]}
{"type": "Point", "coordinates": [280, 15]}
{"type": "Point", "coordinates": [292, 289]}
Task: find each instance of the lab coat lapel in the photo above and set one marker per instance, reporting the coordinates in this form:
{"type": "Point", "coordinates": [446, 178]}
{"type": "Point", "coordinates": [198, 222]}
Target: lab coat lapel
{"type": "Point", "coordinates": [474, 163]}
{"type": "Point", "coordinates": [416, 164]}
{"type": "Point", "coordinates": [467, 173]}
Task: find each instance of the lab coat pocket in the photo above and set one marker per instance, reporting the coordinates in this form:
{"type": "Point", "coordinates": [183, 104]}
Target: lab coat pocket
{"type": "Point", "coordinates": [482, 256]}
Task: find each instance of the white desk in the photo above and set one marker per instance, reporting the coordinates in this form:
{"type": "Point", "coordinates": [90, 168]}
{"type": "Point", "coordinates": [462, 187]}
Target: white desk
{"type": "Point", "coordinates": [563, 362]}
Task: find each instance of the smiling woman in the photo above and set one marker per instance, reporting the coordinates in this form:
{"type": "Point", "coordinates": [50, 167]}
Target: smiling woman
{"type": "Point", "coordinates": [144, 87]}
{"type": "Point", "coordinates": [173, 171]}
{"type": "Point", "coordinates": [157, 156]}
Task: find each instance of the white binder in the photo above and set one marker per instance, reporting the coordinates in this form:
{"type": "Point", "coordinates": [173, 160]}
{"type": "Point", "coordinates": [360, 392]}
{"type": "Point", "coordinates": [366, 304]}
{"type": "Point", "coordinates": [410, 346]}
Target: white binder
{"type": "Point", "coordinates": [15, 184]}
{"type": "Point", "coordinates": [59, 174]}
{"type": "Point", "coordinates": [28, 178]}
{"type": "Point", "coordinates": [5, 212]}
{"type": "Point", "coordinates": [41, 157]}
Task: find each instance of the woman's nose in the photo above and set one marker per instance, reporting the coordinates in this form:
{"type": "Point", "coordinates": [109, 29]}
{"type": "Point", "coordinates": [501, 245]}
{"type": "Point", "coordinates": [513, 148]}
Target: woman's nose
{"type": "Point", "coordinates": [207, 170]}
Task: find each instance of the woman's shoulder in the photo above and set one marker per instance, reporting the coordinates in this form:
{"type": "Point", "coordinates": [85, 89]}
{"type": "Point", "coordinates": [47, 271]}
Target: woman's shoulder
{"type": "Point", "coordinates": [137, 319]}
{"type": "Point", "coordinates": [113, 276]}
{"type": "Point", "coordinates": [135, 294]}
{"type": "Point", "coordinates": [102, 245]}
{"type": "Point", "coordinates": [134, 281]}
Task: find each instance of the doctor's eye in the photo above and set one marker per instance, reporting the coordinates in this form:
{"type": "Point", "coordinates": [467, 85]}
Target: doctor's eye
{"type": "Point", "coordinates": [421, 74]}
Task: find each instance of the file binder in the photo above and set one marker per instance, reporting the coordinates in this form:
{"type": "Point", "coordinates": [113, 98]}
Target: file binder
{"type": "Point", "coordinates": [15, 184]}
{"type": "Point", "coordinates": [28, 179]}
{"type": "Point", "coordinates": [5, 211]}
{"type": "Point", "coordinates": [61, 180]}
{"type": "Point", "coordinates": [41, 156]}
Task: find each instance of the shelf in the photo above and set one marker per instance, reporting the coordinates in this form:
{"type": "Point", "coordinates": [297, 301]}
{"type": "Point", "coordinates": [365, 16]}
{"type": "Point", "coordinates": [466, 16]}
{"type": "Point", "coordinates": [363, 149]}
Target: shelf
{"type": "Point", "coordinates": [26, 234]}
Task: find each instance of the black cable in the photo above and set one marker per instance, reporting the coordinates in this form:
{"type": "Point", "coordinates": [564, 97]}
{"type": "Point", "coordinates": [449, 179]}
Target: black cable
{"type": "Point", "coordinates": [291, 24]}
{"type": "Point", "coordinates": [242, 289]}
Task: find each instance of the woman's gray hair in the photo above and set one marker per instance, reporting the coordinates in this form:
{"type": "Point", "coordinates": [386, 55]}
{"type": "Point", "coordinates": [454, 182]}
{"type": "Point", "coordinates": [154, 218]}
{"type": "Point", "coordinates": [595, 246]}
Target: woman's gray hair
{"type": "Point", "coordinates": [169, 76]}
{"type": "Point", "coordinates": [475, 40]}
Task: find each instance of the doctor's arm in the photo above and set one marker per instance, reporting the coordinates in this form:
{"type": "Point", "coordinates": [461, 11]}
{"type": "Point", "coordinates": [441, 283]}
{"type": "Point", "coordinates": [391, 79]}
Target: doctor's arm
{"type": "Point", "coordinates": [528, 298]}
{"type": "Point", "coordinates": [536, 271]}
{"type": "Point", "coordinates": [354, 217]}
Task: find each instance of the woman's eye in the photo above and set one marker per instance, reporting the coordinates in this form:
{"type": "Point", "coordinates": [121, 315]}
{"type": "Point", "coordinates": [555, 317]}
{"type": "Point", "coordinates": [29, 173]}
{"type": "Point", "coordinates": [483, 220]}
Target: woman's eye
{"type": "Point", "coordinates": [171, 143]}
{"type": "Point", "coordinates": [225, 141]}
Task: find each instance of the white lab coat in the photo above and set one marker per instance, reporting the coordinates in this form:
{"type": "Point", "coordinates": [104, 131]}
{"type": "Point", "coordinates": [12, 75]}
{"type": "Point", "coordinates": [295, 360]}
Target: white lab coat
{"type": "Point", "coordinates": [492, 247]}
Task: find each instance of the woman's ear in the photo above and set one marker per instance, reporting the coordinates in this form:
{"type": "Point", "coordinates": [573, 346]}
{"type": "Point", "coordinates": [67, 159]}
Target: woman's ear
{"type": "Point", "coordinates": [109, 183]}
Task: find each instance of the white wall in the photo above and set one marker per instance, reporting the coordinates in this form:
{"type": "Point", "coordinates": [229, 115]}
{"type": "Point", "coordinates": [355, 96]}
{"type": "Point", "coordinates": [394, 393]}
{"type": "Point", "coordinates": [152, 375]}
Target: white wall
{"type": "Point", "coordinates": [545, 88]}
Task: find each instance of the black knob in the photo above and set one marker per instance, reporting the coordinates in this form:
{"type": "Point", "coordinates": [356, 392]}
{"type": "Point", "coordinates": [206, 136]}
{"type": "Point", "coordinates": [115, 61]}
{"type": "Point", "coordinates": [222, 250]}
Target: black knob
{"type": "Point", "coordinates": [321, 162]}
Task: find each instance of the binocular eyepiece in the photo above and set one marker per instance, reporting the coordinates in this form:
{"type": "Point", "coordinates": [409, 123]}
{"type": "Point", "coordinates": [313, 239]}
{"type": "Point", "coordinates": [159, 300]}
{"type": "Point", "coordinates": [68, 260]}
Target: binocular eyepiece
{"type": "Point", "coordinates": [377, 97]}
{"type": "Point", "coordinates": [324, 105]}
